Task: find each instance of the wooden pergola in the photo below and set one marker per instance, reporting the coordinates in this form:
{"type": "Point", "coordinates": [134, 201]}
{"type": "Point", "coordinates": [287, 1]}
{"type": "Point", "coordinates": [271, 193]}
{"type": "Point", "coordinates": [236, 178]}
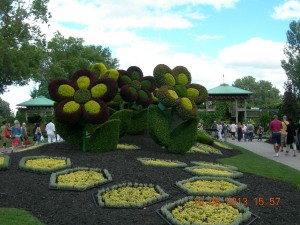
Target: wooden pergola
{"type": "Point", "coordinates": [39, 105]}
{"type": "Point", "coordinates": [225, 92]}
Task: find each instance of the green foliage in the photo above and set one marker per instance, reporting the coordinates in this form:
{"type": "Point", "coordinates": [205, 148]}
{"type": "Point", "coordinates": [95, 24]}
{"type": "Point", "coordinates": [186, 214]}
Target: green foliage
{"type": "Point", "coordinates": [138, 122]}
{"type": "Point", "coordinates": [204, 138]}
{"type": "Point", "coordinates": [5, 110]}
{"type": "Point", "coordinates": [263, 91]}
{"type": "Point", "coordinates": [159, 126]}
{"type": "Point", "coordinates": [181, 90]}
{"type": "Point", "coordinates": [35, 118]}
{"type": "Point", "coordinates": [292, 53]}
{"type": "Point", "coordinates": [13, 216]}
{"type": "Point", "coordinates": [22, 43]}
{"type": "Point", "coordinates": [159, 74]}
{"type": "Point", "coordinates": [289, 106]}
{"type": "Point", "coordinates": [187, 109]}
{"type": "Point", "coordinates": [105, 138]}
{"type": "Point", "coordinates": [182, 75]}
{"type": "Point", "coordinates": [183, 137]}
{"type": "Point", "coordinates": [71, 133]}
{"type": "Point", "coordinates": [125, 117]}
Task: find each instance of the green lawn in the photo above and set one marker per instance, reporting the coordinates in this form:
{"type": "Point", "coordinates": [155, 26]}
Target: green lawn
{"type": "Point", "coordinates": [12, 216]}
{"type": "Point", "coordinates": [249, 162]}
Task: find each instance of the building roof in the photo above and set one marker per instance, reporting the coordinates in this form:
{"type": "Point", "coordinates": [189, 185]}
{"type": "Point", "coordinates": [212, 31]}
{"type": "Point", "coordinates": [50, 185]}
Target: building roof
{"type": "Point", "coordinates": [225, 89]}
{"type": "Point", "coordinates": [38, 101]}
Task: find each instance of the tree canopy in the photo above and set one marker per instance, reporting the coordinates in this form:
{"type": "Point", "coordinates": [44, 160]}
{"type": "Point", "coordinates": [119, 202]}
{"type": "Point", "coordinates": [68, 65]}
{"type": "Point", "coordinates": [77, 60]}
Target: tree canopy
{"type": "Point", "coordinates": [67, 55]}
{"type": "Point", "coordinates": [21, 40]}
{"type": "Point", "coordinates": [5, 110]}
{"type": "Point", "coordinates": [292, 52]}
{"type": "Point", "coordinates": [263, 91]}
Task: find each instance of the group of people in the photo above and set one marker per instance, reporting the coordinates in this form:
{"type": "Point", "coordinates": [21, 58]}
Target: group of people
{"type": "Point", "coordinates": [18, 133]}
{"type": "Point", "coordinates": [284, 134]}
{"type": "Point", "coordinates": [240, 131]}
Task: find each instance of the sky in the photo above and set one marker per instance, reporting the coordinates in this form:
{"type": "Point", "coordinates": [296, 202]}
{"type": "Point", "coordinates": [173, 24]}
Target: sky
{"type": "Point", "coordinates": [211, 38]}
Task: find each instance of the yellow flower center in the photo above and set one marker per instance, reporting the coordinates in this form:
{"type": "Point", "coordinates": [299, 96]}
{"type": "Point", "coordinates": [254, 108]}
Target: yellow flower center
{"type": "Point", "coordinates": [92, 107]}
{"type": "Point", "coordinates": [83, 82]}
{"type": "Point", "coordinates": [71, 107]}
{"type": "Point", "coordinates": [173, 94]}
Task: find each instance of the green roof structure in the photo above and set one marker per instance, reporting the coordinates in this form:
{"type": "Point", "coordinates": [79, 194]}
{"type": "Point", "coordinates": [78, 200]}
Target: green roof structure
{"type": "Point", "coordinates": [225, 89]}
{"type": "Point", "coordinates": [37, 102]}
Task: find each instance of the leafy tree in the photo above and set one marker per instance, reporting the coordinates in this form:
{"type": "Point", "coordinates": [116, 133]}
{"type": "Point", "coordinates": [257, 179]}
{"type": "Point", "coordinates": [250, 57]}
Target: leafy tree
{"type": "Point", "coordinates": [263, 91]}
{"type": "Point", "coordinates": [289, 106]}
{"type": "Point", "coordinates": [67, 55]}
{"type": "Point", "coordinates": [21, 40]}
{"type": "Point", "coordinates": [5, 110]}
{"type": "Point", "coordinates": [292, 52]}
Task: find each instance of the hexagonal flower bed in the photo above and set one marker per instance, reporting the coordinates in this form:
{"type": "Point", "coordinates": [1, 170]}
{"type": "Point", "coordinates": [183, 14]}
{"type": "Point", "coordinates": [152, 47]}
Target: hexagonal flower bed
{"type": "Point", "coordinates": [4, 162]}
{"type": "Point", "coordinates": [130, 195]}
{"type": "Point", "coordinates": [79, 179]}
{"type": "Point", "coordinates": [44, 164]}
{"type": "Point", "coordinates": [196, 149]}
{"type": "Point", "coordinates": [221, 145]}
{"type": "Point", "coordinates": [127, 147]}
{"type": "Point", "coordinates": [161, 162]}
{"type": "Point", "coordinates": [188, 211]}
{"type": "Point", "coordinates": [206, 171]}
{"type": "Point", "coordinates": [214, 165]}
{"type": "Point", "coordinates": [209, 149]}
{"type": "Point", "coordinates": [211, 186]}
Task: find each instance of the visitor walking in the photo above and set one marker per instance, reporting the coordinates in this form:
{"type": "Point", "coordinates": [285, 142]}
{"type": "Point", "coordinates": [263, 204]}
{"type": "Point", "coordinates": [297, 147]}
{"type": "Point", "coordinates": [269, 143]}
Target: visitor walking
{"type": "Point", "coordinates": [15, 135]}
{"type": "Point", "coordinates": [24, 135]}
{"type": "Point", "coordinates": [275, 127]}
{"type": "Point", "coordinates": [219, 128]}
{"type": "Point", "coordinates": [239, 131]}
{"type": "Point", "coordinates": [290, 138]}
{"type": "Point", "coordinates": [5, 135]}
{"type": "Point", "coordinates": [244, 130]}
{"type": "Point", "coordinates": [250, 131]}
{"type": "Point", "coordinates": [225, 130]}
{"type": "Point", "coordinates": [51, 133]}
{"type": "Point", "coordinates": [260, 132]}
{"type": "Point", "coordinates": [233, 128]}
{"type": "Point", "coordinates": [283, 132]}
{"type": "Point", "coordinates": [37, 133]}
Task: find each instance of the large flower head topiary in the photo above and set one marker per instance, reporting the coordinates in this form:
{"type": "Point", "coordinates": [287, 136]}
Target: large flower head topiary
{"type": "Point", "coordinates": [175, 90]}
{"type": "Point", "coordinates": [100, 71]}
{"type": "Point", "coordinates": [82, 97]}
{"type": "Point", "coordinates": [135, 87]}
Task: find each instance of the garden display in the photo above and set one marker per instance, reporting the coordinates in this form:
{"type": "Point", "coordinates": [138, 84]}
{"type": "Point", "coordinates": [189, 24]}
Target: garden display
{"type": "Point", "coordinates": [208, 171]}
{"type": "Point", "coordinates": [161, 162]}
{"type": "Point", "coordinates": [4, 162]}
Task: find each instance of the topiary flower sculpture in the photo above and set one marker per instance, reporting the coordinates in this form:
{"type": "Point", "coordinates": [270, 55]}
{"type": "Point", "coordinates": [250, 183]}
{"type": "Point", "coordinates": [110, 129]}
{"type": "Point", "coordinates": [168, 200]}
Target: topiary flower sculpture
{"type": "Point", "coordinates": [176, 91]}
{"type": "Point", "coordinates": [82, 99]}
{"type": "Point", "coordinates": [135, 87]}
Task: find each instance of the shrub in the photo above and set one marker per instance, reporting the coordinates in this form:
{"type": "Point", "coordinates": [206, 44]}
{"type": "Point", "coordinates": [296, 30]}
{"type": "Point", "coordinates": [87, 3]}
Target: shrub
{"type": "Point", "coordinates": [125, 117]}
{"type": "Point", "coordinates": [204, 138]}
{"type": "Point", "coordinates": [138, 123]}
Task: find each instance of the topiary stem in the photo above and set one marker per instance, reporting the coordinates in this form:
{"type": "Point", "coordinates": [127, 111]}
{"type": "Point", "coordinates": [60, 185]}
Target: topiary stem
{"type": "Point", "coordinates": [84, 138]}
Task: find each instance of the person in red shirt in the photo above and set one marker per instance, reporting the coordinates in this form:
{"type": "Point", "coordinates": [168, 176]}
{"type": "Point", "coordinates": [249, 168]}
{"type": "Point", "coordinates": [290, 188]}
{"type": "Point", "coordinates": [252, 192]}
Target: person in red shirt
{"type": "Point", "coordinates": [275, 127]}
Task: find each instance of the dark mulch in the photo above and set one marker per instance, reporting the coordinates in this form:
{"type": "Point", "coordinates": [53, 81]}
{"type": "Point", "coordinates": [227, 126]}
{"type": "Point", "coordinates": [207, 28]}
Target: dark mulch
{"type": "Point", "coordinates": [30, 191]}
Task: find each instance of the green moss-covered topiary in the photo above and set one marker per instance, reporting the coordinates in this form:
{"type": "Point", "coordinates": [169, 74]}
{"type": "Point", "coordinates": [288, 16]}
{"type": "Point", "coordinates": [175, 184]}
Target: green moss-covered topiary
{"type": "Point", "coordinates": [138, 123]}
{"type": "Point", "coordinates": [129, 93]}
{"type": "Point", "coordinates": [192, 93]}
{"type": "Point", "coordinates": [125, 117]}
{"type": "Point", "coordinates": [148, 83]}
{"type": "Point", "coordinates": [182, 75]}
{"type": "Point", "coordinates": [68, 111]}
{"type": "Point", "coordinates": [168, 96]}
{"type": "Point", "coordinates": [135, 72]}
{"type": "Point", "coordinates": [183, 137]}
{"type": "Point", "coordinates": [124, 78]}
{"type": "Point", "coordinates": [159, 74]}
{"type": "Point", "coordinates": [99, 69]}
{"type": "Point", "coordinates": [180, 90]}
{"type": "Point", "coordinates": [113, 74]}
{"type": "Point", "coordinates": [105, 138]}
{"type": "Point", "coordinates": [71, 133]}
{"type": "Point", "coordinates": [204, 138]}
{"type": "Point", "coordinates": [159, 126]}
{"type": "Point", "coordinates": [187, 109]}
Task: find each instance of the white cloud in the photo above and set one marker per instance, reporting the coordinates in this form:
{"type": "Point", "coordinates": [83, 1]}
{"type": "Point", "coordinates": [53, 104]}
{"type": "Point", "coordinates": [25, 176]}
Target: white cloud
{"type": "Point", "coordinates": [288, 10]}
{"type": "Point", "coordinates": [207, 37]}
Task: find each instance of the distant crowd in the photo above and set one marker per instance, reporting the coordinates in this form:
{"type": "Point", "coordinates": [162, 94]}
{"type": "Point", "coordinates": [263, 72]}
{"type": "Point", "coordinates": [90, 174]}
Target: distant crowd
{"type": "Point", "coordinates": [19, 136]}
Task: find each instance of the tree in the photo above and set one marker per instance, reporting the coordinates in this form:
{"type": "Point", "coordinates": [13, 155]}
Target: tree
{"type": "Point", "coordinates": [5, 110]}
{"type": "Point", "coordinates": [289, 106]}
{"type": "Point", "coordinates": [292, 52]}
{"type": "Point", "coordinates": [263, 91]}
{"type": "Point", "coordinates": [21, 40]}
{"type": "Point", "coordinates": [67, 55]}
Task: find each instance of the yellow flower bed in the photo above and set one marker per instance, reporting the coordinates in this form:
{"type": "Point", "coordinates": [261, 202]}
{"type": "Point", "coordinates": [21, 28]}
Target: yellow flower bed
{"type": "Point", "coordinates": [211, 171]}
{"type": "Point", "coordinates": [214, 165]}
{"type": "Point", "coordinates": [41, 163]}
{"type": "Point", "coordinates": [221, 145]}
{"type": "Point", "coordinates": [205, 213]}
{"type": "Point", "coordinates": [127, 196]}
{"type": "Point", "coordinates": [161, 162]}
{"type": "Point", "coordinates": [127, 147]}
{"type": "Point", "coordinates": [209, 185]}
{"type": "Point", "coordinates": [210, 149]}
{"type": "Point", "coordinates": [197, 149]}
{"type": "Point", "coordinates": [80, 178]}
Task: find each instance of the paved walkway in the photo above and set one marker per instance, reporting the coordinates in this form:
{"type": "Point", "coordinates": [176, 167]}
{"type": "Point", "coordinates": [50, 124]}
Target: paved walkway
{"type": "Point", "coordinates": [266, 150]}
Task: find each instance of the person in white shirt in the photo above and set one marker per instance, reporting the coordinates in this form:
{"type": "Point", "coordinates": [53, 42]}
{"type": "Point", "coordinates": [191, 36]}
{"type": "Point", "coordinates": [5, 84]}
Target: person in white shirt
{"type": "Point", "coordinates": [51, 133]}
{"type": "Point", "coordinates": [233, 128]}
